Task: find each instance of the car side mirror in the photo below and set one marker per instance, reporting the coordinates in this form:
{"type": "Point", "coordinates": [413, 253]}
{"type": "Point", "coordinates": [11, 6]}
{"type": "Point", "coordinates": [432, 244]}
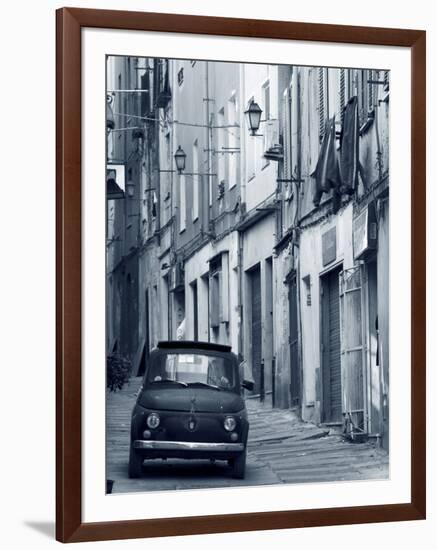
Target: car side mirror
{"type": "Point", "coordinates": [248, 385]}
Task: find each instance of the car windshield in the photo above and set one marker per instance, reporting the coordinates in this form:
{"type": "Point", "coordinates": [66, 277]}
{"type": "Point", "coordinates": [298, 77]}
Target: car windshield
{"type": "Point", "coordinates": [192, 369]}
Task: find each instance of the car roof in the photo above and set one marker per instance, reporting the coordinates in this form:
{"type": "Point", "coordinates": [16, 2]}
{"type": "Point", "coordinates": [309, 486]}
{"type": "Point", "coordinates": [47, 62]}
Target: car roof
{"type": "Point", "coordinates": [191, 344]}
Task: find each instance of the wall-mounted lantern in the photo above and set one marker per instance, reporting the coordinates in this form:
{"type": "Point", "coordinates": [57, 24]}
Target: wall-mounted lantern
{"type": "Point", "coordinates": [253, 115]}
{"type": "Point", "coordinates": [179, 158]}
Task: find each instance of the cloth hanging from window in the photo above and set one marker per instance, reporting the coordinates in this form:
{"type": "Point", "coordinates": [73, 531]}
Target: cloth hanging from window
{"type": "Point", "coordinates": [326, 174]}
{"type": "Point", "coordinates": [349, 148]}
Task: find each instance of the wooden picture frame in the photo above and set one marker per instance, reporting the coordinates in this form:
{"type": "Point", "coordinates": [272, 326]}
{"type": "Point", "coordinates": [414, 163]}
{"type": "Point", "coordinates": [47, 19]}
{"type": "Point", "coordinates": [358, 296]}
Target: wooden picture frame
{"type": "Point", "coordinates": [69, 524]}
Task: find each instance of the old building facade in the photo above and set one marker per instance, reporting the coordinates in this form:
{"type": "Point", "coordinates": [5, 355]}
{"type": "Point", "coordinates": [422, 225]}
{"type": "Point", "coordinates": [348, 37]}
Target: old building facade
{"type": "Point", "coordinates": [274, 241]}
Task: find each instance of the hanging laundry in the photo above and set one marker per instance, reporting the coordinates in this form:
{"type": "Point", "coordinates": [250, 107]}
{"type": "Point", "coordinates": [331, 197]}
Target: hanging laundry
{"type": "Point", "coordinates": [349, 147]}
{"type": "Point", "coordinates": [326, 174]}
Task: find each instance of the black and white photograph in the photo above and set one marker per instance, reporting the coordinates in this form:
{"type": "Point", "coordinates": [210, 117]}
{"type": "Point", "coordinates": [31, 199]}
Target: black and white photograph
{"type": "Point", "coordinates": [247, 274]}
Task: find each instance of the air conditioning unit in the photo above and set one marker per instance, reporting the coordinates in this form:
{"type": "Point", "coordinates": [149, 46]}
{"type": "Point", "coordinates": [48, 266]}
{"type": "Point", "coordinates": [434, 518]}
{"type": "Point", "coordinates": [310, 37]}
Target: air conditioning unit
{"type": "Point", "coordinates": [272, 147]}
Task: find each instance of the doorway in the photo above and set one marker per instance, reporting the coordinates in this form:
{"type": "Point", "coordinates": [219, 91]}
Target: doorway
{"type": "Point", "coordinates": [195, 311]}
{"type": "Point", "coordinates": [293, 343]}
{"type": "Point", "coordinates": [146, 349]}
{"type": "Point", "coordinates": [331, 347]}
{"type": "Point", "coordinates": [256, 326]}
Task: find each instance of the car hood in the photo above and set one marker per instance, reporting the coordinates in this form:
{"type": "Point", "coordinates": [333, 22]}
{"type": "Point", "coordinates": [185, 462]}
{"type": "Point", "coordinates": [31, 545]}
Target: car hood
{"type": "Point", "coordinates": [188, 399]}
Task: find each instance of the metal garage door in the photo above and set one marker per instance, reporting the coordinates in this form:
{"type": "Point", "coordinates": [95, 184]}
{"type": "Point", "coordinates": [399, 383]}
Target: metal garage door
{"type": "Point", "coordinates": [331, 352]}
{"type": "Point", "coordinates": [293, 343]}
{"type": "Point", "coordinates": [256, 328]}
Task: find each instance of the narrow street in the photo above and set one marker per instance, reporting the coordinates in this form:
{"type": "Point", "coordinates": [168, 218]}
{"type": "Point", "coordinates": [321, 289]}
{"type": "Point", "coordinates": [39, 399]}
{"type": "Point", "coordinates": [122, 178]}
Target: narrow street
{"type": "Point", "coordinates": [281, 449]}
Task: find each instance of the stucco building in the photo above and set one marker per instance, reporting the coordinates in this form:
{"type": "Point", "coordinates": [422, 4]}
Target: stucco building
{"type": "Point", "coordinates": [274, 241]}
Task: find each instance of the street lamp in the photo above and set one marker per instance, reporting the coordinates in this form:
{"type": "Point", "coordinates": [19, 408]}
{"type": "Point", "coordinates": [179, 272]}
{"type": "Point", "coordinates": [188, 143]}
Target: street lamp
{"type": "Point", "coordinates": [180, 157]}
{"type": "Point", "coordinates": [253, 114]}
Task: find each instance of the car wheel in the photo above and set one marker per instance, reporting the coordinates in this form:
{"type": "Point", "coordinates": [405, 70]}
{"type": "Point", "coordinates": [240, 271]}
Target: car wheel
{"type": "Point", "coordinates": [135, 463]}
{"type": "Point", "coordinates": [239, 466]}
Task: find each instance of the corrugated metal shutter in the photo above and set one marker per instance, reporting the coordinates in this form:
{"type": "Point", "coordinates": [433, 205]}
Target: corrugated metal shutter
{"type": "Point", "coordinates": [332, 403]}
{"type": "Point", "coordinates": [352, 348]}
{"type": "Point", "coordinates": [256, 327]}
{"type": "Point", "coordinates": [293, 342]}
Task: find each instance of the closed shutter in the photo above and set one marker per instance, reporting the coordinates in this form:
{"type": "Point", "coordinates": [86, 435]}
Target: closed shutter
{"type": "Point", "coordinates": [293, 342]}
{"type": "Point", "coordinates": [256, 328]}
{"type": "Point", "coordinates": [334, 351]}
{"type": "Point", "coordinates": [331, 356]}
{"type": "Point", "coordinates": [370, 91]}
{"type": "Point", "coordinates": [322, 102]}
{"type": "Point", "coordinates": [342, 92]}
{"type": "Point", "coordinates": [145, 96]}
{"type": "Point", "coordinates": [214, 304]}
{"type": "Point", "coordinates": [352, 348]}
{"type": "Point", "coordinates": [286, 132]}
{"type": "Point", "coordinates": [386, 80]}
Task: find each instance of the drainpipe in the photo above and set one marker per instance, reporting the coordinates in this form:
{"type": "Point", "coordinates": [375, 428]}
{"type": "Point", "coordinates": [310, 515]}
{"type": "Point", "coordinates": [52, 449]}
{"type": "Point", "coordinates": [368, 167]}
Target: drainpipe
{"type": "Point", "coordinates": [240, 237]}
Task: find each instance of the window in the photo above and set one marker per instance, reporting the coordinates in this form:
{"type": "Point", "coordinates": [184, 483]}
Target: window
{"type": "Point", "coordinates": [195, 180]}
{"type": "Point", "coordinates": [166, 179]}
{"type": "Point", "coordinates": [192, 368]}
{"type": "Point", "coordinates": [214, 289]}
{"type": "Point", "coordinates": [215, 292]}
{"type": "Point", "coordinates": [266, 100]}
{"type": "Point", "coordinates": [182, 204]}
{"type": "Point", "coordinates": [386, 81]}
{"type": "Point", "coordinates": [286, 142]}
{"type": "Point", "coordinates": [266, 117]}
{"type": "Point", "coordinates": [365, 93]}
{"type": "Point", "coordinates": [322, 100]}
{"type": "Point", "coordinates": [233, 141]}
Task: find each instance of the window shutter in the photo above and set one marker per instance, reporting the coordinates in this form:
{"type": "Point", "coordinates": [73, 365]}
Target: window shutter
{"type": "Point", "coordinates": [386, 80]}
{"type": "Point", "coordinates": [214, 289]}
{"type": "Point", "coordinates": [352, 347]}
{"type": "Point", "coordinates": [224, 287]}
{"type": "Point", "coordinates": [286, 132]}
{"type": "Point", "coordinates": [322, 99]}
{"type": "Point", "coordinates": [342, 92]}
{"type": "Point", "coordinates": [145, 97]}
{"type": "Point", "coordinates": [370, 90]}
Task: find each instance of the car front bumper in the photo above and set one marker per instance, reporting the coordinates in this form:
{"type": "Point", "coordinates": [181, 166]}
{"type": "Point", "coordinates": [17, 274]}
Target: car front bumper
{"type": "Point", "coordinates": [187, 447]}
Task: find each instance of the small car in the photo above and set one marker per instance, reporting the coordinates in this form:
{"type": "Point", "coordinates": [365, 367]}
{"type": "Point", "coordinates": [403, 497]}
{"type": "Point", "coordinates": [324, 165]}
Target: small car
{"type": "Point", "coordinates": [190, 406]}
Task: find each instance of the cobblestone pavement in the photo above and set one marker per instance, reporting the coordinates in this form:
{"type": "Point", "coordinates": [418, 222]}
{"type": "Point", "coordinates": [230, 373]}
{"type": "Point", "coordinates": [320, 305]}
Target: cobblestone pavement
{"type": "Point", "coordinates": [281, 449]}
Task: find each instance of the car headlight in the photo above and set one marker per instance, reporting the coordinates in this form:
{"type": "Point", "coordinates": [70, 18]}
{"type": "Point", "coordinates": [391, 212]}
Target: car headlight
{"type": "Point", "coordinates": [153, 420]}
{"type": "Point", "coordinates": [230, 423]}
